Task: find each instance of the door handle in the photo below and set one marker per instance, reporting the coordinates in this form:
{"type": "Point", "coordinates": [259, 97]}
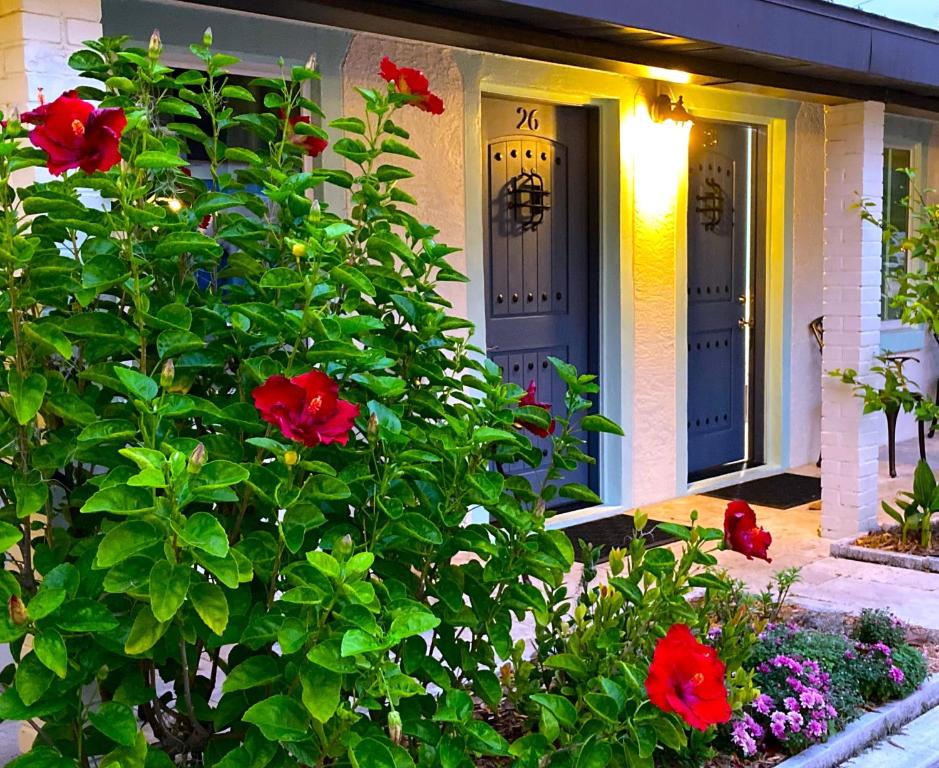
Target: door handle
{"type": "Point", "coordinates": [745, 323]}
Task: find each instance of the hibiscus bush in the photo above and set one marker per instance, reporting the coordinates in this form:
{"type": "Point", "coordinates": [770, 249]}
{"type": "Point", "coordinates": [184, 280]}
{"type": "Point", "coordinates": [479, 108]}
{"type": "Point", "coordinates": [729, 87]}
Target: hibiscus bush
{"type": "Point", "coordinates": [240, 437]}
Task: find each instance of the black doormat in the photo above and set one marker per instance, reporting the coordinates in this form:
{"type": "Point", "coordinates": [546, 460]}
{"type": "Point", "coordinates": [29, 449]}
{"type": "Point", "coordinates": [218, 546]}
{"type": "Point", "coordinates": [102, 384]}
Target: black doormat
{"type": "Point", "coordinates": [779, 491]}
{"type": "Point", "coordinates": [615, 531]}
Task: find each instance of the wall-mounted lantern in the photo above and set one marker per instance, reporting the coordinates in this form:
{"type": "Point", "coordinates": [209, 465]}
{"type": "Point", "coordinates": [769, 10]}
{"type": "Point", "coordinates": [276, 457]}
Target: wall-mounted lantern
{"type": "Point", "coordinates": [665, 110]}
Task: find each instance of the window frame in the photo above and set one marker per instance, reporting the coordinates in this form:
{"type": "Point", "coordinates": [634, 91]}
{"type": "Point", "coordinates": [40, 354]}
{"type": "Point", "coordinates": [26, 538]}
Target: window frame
{"type": "Point", "coordinates": [913, 134]}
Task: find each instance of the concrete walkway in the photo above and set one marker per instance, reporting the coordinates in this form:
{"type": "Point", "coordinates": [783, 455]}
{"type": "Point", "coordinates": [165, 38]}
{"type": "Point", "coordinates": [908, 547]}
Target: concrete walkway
{"type": "Point", "coordinates": [913, 747]}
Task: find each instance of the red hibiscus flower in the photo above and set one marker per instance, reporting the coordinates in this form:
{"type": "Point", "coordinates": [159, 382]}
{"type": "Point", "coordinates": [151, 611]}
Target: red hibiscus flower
{"type": "Point", "coordinates": [741, 533]}
{"type": "Point", "coordinates": [207, 219]}
{"type": "Point", "coordinates": [412, 82]}
{"type": "Point", "coordinates": [306, 408]}
{"type": "Point", "coordinates": [74, 134]}
{"type": "Point", "coordinates": [529, 399]}
{"type": "Point", "coordinates": [312, 145]}
{"type": "Point", "coordinates": [687, 677]}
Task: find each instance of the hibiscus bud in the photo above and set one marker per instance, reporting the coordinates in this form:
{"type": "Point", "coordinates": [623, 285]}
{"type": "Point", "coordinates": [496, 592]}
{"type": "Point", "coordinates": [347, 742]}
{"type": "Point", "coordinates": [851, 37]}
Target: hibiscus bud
{"type": "Point", "coordinates": [506, 674]}
{"type": "Point", "coordinates": [394, 727]}
{"type": "Point", "coordinates": [617, 561]}
{"type": "Point", "coordinates": [167, 374]}
{"type": "Point", "coordinates": [196, 460]}
{"type": "Point", "coordinates": [156, 45]}
{"type": "Point", "coordinates": [298, 250]}
{"type": "Point", "coordinates": [343, 547]}
{"type": "Point", "coordinates": [315, 210]}
{"type": "Point", "coordinates": [539, 508]}
{"type": "Point", "coordinates": [18, 613]}
{"type": "Point", "coordinates": [291, 458]}
{"type": "Point", "coordinates": [372, 429]}
{"type": "Point", "coordinates": [207, 37]}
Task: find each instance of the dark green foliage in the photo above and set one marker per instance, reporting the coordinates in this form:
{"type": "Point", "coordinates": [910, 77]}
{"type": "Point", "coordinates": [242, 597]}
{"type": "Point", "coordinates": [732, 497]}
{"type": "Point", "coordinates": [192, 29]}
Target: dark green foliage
{"type": "Point", "coordinates": [333, 587]}
{"type": "Point", "coordinates": [875, 625]}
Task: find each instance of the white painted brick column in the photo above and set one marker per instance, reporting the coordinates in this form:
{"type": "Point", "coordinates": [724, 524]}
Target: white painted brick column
{"type": "Point", "coordinates": [36, 39]}
{"type": "Point", "coordinates": [854, 145]}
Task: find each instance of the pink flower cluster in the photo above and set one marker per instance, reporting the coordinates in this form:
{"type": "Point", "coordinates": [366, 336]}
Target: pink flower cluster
{"type": "Point", "coordinates": [881, 652]}
{"type": "Point", "coordinates": [800, 708]}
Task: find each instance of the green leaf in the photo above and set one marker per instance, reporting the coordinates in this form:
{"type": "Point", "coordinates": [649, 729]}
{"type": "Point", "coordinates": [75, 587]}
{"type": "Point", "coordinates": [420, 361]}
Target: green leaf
{"type": "Point", "coordinates": [145, 632]}
{"type": "Point", "coordinates": [354, 278]}
{"type": "Point", "coordinates": [594, 422]}
{"type": "Point", "coordinates": [681, 532]}
{"type": "Point", "coordinates": [411, 621]}
{"type": "Point", "coordinates": [281, 277]}
{"type": "Point", "coordinates": [116, 721]}
{"type": "Point", "coordinates": [320, 691]}
{"type": "Point", "coordinates": [85, 615]}
{"type": "Point", "coordinates": [9, 535]}
{"type": "Point", "coordinates": [395, 147]}
{"type": "Point", "coordinates": [47, 600]}
{"type": "Point", "coordinates": [237, 92]}
{"type": "Point", "coordinates": [156, 161]}
{"type": "Point", "coordinates": [107, 429]}
{"type": "Point", "coordinates": [211, 605]}
{"type": "Point", "coordinates": [27, 394]}
{"type": "Point", "coordinates": [350, 124]}
{"type": "Point", "coordinates": [388, 173]}
{"type": "Point", "coordinates": [325, 563]}
{"type": "Point", "coordinates": [32, 679]}
{"type": "Point", "coordinates": [204, 532]}
{"type": "Point", "coordinates": [137, 383]}
{"type": "Point", "coordinates": [103, 271]}
{"type": "Point", "coordinates": [567, 662]}
{"type": "Point", "coordinates": [41, 756]}
{"type": "Point", "coordinates": [420, 528]}
{"type": "Point", "coordinates": [603, 705]}
{"type": "Point", "coordinates": [252, 673]}
{"type": "Point", "coordinates": [168, 587]}
{"type": "Point", "coordinates": [126, 539]}
{"type": "Point", "coordinates": [485, 739]}
{"type": "Point", "coordinates": [49, 648]}
{"type": "Point", "coordinates": [325, 488]}
{"type": "Point", "coordinates": [220, 474]}
{"type": "Point", "coordinates": [170, 105]}
{"type": "Point", "coordinates": [356, 641]}
{"type": "Point", "coordinates": [579, 492]}
{"type": "Point", "coordinates": [241, 155]}
{"type": "Point", "coordinates": [175, 244]}
{"type": "Point", "coordinates": [371, 753]}
{"type": "Point", "coordinates": [120, 500]}
{"type": "Point", "coordinates": [279, 718]}
{"type": "Point", "coordinates": [50, 336]}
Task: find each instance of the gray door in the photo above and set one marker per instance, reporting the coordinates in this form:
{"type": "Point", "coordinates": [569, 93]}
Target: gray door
{"type": "Point", "coordinates": [540, 249]}
{"type": "Point", "coordinates": [721, 304]}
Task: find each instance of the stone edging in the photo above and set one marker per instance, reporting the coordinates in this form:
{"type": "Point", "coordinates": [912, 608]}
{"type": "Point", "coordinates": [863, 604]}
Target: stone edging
{"type": "Point", "coordinates": [868, 729]}
{"type": "Point", "coordinates": [846, 548]}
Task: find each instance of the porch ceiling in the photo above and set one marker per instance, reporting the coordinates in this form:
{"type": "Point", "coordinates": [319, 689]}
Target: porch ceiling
{"type": "Point", "coordinates": [776, 46]}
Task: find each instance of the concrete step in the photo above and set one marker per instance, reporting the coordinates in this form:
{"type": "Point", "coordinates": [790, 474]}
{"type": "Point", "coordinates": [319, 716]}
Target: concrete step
{"type": "Point", "coordinates": [915, 746]}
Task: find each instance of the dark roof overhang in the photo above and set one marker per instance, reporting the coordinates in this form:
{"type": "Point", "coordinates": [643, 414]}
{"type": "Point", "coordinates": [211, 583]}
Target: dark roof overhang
{"type": "Point", "coordinates": [780, 46]}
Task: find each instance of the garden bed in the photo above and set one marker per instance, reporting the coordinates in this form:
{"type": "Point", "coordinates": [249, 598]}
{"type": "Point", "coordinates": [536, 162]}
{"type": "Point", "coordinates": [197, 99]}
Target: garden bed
{"type": "Point", "coordinates": [884, 547]}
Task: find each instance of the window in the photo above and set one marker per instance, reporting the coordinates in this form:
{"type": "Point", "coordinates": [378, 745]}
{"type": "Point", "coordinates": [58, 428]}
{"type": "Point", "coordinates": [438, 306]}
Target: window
{"type": "Point", "coordinates": [897, 215]}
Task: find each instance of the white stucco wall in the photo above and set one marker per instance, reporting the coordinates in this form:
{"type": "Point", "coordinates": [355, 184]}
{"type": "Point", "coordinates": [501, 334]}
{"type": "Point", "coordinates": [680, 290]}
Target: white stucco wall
{"type": "Point", "coordinates": [805, 392]}
{"type": "Point", "coordinates": [439, 184]}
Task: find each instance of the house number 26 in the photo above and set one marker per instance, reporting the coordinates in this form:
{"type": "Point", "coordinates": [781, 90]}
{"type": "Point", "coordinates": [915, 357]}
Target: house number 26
{"type": "Point", "coordinates": [527, 119]}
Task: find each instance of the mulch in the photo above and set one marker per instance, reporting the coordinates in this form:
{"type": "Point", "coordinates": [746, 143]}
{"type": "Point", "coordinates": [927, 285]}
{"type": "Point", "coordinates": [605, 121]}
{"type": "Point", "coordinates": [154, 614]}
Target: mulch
{"type": "Point", "coordinates": [889, 541]}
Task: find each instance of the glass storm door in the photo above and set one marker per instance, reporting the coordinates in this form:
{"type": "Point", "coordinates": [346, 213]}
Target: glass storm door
{"type": "Point", "coordinates": [721, 304]}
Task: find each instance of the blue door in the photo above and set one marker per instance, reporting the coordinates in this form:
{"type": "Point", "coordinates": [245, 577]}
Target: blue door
{"type": "Point", "coordinates": [720, 302]}
{"type": "Point", "coordinates": [540, 251]}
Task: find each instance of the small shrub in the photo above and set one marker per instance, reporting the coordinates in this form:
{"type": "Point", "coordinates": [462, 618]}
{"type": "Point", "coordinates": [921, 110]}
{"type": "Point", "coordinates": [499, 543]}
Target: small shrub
{"type": "Point", "coordinates": [795, 707]}
{"type": "Point", "coordinates": [875, 625]}
{"type": "Point", "coordinates": [885, 673]}
{"type": "Point", "coordinates": [829, 650]}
